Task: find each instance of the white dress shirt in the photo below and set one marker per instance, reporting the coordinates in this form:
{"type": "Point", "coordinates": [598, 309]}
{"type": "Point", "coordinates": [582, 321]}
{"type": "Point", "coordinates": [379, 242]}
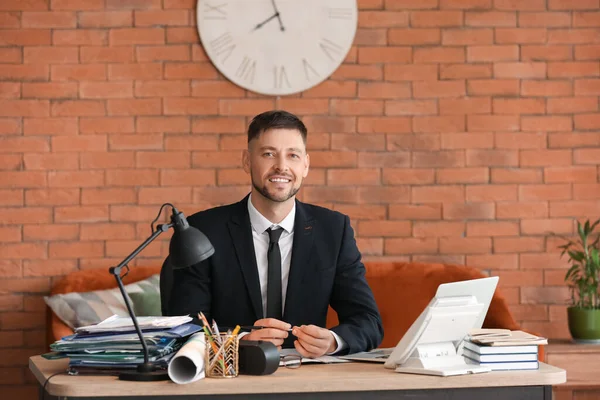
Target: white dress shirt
{"type": "Point", "coordinates": [260, 237]}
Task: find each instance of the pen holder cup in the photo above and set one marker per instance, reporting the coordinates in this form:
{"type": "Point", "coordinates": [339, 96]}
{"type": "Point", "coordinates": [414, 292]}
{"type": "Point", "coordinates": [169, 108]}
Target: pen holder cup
{"type": "Point", "coordinates": [221, 361]}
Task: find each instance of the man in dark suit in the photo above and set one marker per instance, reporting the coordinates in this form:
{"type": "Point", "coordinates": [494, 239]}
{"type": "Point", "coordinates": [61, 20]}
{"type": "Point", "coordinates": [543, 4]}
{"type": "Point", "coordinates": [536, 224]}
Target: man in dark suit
{"type": "Point", "coordinates": [280, 263]}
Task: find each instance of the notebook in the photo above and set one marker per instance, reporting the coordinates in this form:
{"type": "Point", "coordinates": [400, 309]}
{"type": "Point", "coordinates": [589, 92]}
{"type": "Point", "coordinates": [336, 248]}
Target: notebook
{"type": "Point", "coordinates": [375, 355]}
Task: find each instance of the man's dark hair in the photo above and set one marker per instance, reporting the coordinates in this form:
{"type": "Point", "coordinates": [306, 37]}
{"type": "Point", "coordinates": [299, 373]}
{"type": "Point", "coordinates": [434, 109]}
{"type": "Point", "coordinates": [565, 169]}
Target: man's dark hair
{"type": "Point", "coordinates": [276, 119]}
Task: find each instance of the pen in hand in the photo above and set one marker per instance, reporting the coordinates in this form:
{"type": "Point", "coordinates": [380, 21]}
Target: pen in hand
{"type": "Point", "coordinates": [253, 327]}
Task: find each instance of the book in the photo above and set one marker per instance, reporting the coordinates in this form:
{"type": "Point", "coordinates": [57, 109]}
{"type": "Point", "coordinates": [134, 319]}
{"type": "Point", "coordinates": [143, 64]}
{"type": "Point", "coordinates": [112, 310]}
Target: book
{"type": "Point", "coordinates": [504, 337]}
{"type": "Point", "coordinates": [506, 366]}
{"type": "Point", "coordinates": [510, 357]}
{"type": "Point", "coordinates": [486, 349]}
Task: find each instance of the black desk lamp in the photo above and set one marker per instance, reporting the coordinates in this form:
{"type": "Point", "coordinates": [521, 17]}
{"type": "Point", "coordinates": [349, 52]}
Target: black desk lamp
{"type": "Point", "coordinates": [188, 246]}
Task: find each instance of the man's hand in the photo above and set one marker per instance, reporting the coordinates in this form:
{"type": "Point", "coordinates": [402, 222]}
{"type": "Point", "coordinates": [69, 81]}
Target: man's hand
{"type": "Point", "coordinates": [275, 331]}
{"type": "Point", "coordinates": [313, 341]}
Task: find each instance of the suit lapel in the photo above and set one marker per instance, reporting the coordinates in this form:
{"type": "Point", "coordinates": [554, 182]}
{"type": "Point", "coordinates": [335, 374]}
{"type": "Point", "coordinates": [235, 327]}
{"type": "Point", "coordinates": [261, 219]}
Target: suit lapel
{"type": "Point", "coordinates": [240, 230]}
{"type": "Point", "coordinates": [304, 226]}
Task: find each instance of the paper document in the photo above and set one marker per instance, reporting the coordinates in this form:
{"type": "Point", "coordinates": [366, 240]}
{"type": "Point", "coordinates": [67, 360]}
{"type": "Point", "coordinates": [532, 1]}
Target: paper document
{"type": "Point", "coordinates": [188, 364]}
{"type": "Point", "coordinates": [505, 338]}
{"type": "Point", "coordinates": [121, 324]}
{"type": "Point", "coordinates": [489, 332]}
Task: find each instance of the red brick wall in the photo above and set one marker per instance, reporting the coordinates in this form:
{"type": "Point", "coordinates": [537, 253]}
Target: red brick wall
{"type": "Point", "coordinates": [456, 130]}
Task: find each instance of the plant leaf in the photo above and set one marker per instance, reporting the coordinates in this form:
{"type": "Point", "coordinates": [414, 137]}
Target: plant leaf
{"type": "Point", "coordinates": [595, 242]}
{"type": "Point", "coordinates": [583, 275]}
{"type": "Point", "coordinates": [594, 225]}
{"type": "Point", "coordinates": [571, 273]}
{"type": "Point", "coordinates": [595, 258]}
{"type": "Point", "coordinates": [577, 255]}
{"type": "Point", "coordinates": [582, 234]}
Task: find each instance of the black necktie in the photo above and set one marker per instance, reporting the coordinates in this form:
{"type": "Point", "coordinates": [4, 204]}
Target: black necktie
{"type": "Point", "coordinates": [274, 275]}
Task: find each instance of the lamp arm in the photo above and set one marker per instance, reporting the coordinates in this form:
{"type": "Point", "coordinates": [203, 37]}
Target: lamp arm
{"type": "Point", "coordinates": [116, 271]}
{"type": "Point", "coordinates": [159, 229]}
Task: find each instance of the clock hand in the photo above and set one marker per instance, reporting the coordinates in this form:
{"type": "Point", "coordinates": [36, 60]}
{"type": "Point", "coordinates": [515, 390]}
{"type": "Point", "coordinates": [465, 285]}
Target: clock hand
{"type": "Point", "coordinates": [278, 15]}
{"type": "Point", "coordinates": [258, 26]}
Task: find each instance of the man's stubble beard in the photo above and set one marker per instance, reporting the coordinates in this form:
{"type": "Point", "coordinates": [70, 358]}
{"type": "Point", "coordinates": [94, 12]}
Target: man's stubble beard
{"type": "Point", "coordinates": [264, 191]}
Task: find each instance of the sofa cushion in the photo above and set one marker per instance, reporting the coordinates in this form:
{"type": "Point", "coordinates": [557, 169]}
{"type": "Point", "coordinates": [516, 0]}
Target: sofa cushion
{"type": "Point", "coordinates": [146, 303]}
{"type": "Point", "coordinates": [85, 308]}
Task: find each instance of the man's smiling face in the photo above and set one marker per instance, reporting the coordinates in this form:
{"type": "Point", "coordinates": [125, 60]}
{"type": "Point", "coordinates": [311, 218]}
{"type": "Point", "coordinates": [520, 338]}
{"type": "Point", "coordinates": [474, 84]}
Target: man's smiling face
{"type": "Point", "coordinates": [277, 163]}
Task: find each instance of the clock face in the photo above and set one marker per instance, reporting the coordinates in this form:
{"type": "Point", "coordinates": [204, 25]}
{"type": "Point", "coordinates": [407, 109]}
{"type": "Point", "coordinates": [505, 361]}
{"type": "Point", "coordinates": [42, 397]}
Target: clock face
{"type": "Point", "coordinates": [277, 47]}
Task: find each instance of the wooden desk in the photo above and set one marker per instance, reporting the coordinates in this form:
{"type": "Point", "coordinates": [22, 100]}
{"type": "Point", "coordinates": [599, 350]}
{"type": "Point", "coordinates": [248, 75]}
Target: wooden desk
{"type": "Point", "coordinates": [314, 381]}
{"type": "Point", "coordinates": [582, 363]}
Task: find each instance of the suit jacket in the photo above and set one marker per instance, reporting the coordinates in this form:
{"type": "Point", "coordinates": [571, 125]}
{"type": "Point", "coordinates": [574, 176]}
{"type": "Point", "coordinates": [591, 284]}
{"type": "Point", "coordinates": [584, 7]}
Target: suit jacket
{"type": "Point", "coordinates": [326, 269]}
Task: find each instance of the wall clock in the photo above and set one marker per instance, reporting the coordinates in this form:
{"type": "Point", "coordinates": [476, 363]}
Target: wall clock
{"type": "Point", "coordinates": [277, 47]}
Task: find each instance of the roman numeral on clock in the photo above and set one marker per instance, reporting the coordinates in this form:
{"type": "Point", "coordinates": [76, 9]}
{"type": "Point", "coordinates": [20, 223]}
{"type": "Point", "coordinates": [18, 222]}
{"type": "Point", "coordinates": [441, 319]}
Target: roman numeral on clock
{"type": "Point", "coordinates": [247, 69]}
{"type": "Point", "coordinates": [340, 13]}
{"type": "Point", "coordinates": [330, 48]}
{"type": "Point", "coordinates": [280, 77]}
{"type": "Point", "coordinates": [223, 45]}
{"type": "Point", "coordinates": [309, 71]}
{"type": "Point", "coordinates": [216, 11]}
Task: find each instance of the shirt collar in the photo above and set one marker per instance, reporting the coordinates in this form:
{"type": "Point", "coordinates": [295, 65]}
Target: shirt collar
{"type": "Point", "coordinates": [260, 224]}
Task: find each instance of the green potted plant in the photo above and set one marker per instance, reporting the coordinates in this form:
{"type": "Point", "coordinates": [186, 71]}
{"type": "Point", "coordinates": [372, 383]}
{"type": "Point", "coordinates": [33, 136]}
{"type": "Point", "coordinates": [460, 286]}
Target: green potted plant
{"type": "Point", "coordinates": [582, 279]}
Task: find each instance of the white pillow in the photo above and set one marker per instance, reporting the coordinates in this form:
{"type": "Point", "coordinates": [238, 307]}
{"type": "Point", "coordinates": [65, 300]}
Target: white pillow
{"type": "Point", "coordinates": [86, 308]}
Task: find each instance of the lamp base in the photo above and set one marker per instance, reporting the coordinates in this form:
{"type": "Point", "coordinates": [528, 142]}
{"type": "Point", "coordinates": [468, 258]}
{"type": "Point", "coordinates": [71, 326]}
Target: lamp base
{"type": "Point", "coordinates": [145, 373]}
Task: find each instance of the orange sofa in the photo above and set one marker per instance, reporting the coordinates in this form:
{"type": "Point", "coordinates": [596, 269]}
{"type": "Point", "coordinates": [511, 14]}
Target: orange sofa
{"type": "Point", "coordinates": [402, 291]}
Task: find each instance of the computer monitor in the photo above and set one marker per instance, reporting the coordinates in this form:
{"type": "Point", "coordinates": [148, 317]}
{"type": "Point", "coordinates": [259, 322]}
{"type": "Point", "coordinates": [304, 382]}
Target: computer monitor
{"type": "Point", "coordinates": [483, 289]}
{"type": "Point", "coordinates": [430, 344]}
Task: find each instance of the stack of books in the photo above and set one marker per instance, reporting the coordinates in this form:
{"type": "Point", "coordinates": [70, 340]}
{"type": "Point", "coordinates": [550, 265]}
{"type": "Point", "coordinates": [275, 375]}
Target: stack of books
{"type": "Point", "coordinates": [502, 349]}
{"type": "Point", "coordinates": [113, 344]}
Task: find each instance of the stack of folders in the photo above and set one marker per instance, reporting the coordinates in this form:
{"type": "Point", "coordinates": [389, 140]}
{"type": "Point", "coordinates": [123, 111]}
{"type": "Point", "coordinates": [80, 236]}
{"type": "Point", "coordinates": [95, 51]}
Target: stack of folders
{"type": "Point", "coordinates": [503, 349]}
{"type": "Point", "coordinates": [113, 344]}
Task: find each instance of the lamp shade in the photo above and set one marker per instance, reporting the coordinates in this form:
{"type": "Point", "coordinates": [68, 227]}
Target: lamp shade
{"type": "Point", "coordinates": [188, 245]}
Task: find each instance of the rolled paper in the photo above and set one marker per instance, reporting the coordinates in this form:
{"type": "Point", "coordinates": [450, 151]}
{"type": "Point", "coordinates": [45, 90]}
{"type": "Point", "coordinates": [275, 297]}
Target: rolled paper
{"type": "Point", "coordinates": [188, 364]}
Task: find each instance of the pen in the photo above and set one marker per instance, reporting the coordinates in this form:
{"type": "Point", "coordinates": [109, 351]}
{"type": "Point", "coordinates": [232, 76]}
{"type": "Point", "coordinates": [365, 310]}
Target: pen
{"type": "Point", "coordinates": [209, 335]}
{"type": "Point", "coordinates": [252, 327]}
{"type": "Point", "coordinates": [219, 353]}
{"type": "Point", "coordinates": [235, 332]}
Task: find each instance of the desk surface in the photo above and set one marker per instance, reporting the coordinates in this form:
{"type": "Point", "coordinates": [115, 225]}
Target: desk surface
{"type": "Point", "coordinates": [566, 346]}
{"type": "Point", "coordinates": [582, 362]}
{"type": "Point", "coordinates": [306, 379]}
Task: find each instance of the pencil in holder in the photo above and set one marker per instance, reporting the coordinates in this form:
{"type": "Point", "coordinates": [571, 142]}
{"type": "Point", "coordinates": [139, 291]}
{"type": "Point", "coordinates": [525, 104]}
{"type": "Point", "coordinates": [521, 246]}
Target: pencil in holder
{"type": "Point", "coordinates": [222, 356]}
